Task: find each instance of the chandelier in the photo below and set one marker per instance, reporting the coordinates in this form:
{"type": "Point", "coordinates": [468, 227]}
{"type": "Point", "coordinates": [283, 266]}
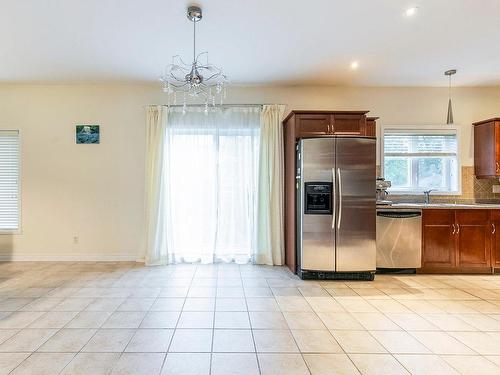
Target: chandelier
{"type": "Point", "coordinates": [199, 80]}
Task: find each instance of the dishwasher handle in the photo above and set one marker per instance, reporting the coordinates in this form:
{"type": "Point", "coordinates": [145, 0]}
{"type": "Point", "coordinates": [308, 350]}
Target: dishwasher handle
{"type": "Point", "coordinates": [399, 214]}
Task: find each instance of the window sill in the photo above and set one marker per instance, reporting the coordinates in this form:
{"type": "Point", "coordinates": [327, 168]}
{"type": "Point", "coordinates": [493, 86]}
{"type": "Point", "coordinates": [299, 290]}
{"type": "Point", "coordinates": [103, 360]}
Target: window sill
{"type": "Point", "coordinates": [10, 231]}
{"type": "Point", "coordinates": [421, 193]}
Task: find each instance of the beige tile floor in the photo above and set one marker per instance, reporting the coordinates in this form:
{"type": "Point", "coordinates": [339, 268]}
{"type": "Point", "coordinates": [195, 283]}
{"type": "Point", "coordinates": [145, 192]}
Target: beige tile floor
{"type": "Point", "coordinates": [124, 318]}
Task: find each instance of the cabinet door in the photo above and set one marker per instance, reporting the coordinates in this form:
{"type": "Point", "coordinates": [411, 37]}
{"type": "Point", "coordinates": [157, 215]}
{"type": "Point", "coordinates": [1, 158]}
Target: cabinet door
{"type": "Point", "coordinates": [349, 124]}
{"type": "Point", "coordinates": [439, 241]}
{"type": "Point", "coordinates": [486, 150]}
{"type": "Point", "coordinates": [495, 238]}
{"type": "Point", "coordinates": [311, 125]}
{"type": "Point", "coordinates": [474, 238]}
{"type": "Point", "coordinates": [495, 243]}
{"type": "Point", "coordinates": [371, 128]}
{"type": "Point", "coordinates": [497, 149]}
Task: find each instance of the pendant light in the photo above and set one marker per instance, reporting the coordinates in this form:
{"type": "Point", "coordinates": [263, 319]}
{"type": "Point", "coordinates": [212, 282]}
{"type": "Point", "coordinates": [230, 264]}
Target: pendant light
{"type": "Point", "coordinates": [449, 116]}
{"type": "Point", "coordinates": [197, 79]}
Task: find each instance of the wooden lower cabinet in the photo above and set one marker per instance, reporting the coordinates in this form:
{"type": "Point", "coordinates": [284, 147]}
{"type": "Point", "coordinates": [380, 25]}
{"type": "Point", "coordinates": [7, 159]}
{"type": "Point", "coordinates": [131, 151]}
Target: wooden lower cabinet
{"type": "Point", "coordinates": [495, 238]}
{"type": "Point", "coordinates": [455, 241]}
{"type": "Point", "coordinates": [438, 240]}
{"type": "Point", "coordinates": [474, 238]}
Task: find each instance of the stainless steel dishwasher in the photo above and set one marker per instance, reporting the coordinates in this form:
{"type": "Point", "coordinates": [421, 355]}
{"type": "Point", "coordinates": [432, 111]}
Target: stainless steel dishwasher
{"type": "Point", "coordinates": [399, 238]}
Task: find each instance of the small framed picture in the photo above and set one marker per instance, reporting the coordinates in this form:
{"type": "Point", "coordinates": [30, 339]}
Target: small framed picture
{"type": "Point", "coordinates": [87, 134]}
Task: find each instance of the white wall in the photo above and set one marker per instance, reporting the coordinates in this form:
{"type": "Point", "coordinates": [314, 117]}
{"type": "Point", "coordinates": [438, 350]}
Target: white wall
{"type": "Point", "coordinates": [96, 192]}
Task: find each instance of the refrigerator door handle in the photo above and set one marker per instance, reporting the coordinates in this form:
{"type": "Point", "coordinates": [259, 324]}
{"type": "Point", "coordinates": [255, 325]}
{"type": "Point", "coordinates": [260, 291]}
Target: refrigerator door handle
{"type": "Point", "coordinates": [334, 198]}
{"type": "Point", "coordinates": [339, 176]}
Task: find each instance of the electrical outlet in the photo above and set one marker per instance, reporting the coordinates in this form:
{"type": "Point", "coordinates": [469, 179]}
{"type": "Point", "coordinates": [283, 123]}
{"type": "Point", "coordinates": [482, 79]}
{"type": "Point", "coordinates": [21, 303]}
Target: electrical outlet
{"type": "Point", "coordinates": [496, 189]}
{"type": "Point", "coordinates": [75, 239]}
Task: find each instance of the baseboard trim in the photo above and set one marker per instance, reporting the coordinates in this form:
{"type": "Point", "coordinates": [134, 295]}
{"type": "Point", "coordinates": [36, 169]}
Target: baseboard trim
{"type": "Point", "coordinates": [83, 257]}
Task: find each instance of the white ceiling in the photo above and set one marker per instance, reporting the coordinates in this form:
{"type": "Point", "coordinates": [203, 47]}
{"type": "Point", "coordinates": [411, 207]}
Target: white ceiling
{"type": "Point", "coordinates": [255, 41]}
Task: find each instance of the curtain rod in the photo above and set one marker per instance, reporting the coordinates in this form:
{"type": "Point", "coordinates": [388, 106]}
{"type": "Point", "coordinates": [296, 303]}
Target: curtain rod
{"type": "Point", "coordinates": [216, 106]}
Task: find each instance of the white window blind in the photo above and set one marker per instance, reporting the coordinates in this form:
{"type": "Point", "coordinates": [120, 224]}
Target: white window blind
{"type": "Point", "coordinates": [420, 144]}
{"type": "Point", "coordinates": [9, 180]}
{"type": "Point", "coordinates": [419, 160]}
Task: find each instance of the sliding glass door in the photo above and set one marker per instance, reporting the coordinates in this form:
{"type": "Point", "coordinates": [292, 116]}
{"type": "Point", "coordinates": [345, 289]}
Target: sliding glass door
{"type": "Point", "coordinates": [211, 166]}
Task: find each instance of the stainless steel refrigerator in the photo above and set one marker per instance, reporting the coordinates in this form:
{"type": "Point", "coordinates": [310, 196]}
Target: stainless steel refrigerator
{"type": "Point", "coordinates": [336, 208]}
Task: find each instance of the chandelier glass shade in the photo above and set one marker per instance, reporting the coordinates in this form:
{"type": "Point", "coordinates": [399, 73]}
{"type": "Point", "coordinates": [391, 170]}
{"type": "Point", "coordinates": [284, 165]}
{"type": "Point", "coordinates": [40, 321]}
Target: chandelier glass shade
{"type": "Point", "coordinates": [198, 81]}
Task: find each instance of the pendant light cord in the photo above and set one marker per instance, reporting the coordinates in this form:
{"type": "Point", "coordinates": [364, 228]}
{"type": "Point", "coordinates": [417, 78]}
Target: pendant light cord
{"type": "Point", "coordinates": [449, 86]}
{"type": "Point", "coordinates": [194, 40]}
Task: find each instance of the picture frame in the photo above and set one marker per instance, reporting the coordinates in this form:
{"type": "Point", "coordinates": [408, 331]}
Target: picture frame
{"type": "Point", "coordinates": [87, 134]}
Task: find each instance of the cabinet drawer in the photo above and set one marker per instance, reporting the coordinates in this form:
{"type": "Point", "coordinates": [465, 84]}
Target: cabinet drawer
{"type": "Point", "coordinates": [495, 215]}
{"type": "Point", "coordinates": [472, 217]}
{"type": "Point", "coordinates": [438, 217]}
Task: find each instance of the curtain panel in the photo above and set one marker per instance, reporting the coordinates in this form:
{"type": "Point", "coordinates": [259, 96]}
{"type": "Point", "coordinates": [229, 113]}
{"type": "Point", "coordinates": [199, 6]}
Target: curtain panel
{"type": "Point", "coordinates": [214, 185]}
{"type": "Point", "coordinates": [156, 118]}
{"type": "Point", "coordinates": [270, 235]}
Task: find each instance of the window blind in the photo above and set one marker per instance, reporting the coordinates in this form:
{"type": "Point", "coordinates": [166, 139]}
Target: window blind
{"type": "Point", "coordinates": [397, 144]}
{"type": "Point", "coordinates": [9, 180]}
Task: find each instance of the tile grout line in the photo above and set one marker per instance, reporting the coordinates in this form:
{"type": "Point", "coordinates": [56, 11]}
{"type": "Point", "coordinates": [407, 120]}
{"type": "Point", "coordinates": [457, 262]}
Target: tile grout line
{"type": "Point", "coordinates": [58, 330]}
{"type": "Point", "coordinates": [213, 322]}
{"type": "Point", "coordinates": [340, 346]}
{"type": "Point", "coordinates": [177, 321]}
{"type": "Point", "coordinates": [250, 321]}
{"type": "Point", "coordinates": [137, 329]}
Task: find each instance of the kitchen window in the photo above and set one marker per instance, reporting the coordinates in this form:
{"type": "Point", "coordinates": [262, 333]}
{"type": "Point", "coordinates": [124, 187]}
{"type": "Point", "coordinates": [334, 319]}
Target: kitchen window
{"type": "Point", "coordinates": [9, 181]}
{"type": "Point", "coordinates": [423, 158]}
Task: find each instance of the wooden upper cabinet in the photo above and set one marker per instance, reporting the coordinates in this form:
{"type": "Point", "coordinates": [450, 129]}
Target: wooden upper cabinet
{"type": "Point", "coordinates": [311, 125]}
{"type": "Point", "coordinates": [438, 239]}
{"type": "Point", "coordinates": [371, 126]}
{"type": "Point", "coordinates": [325, 123]}
{"type": "Point", "coordinates": [474, 238]}
{"type": "Point", "coordinates": [349, 124]}
{"type": "Point", "coordinates": [487, 148]}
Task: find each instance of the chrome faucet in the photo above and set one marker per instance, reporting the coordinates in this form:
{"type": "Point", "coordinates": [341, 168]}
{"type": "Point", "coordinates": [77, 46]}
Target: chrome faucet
{"type": "Point", "coordinates": [427, 194]}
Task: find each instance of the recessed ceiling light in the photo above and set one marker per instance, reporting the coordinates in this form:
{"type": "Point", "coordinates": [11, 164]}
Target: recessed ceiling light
{"type": "Point", "coordinates": [410, 12]}
{"type": "Point", "coordinates": [354, 65]}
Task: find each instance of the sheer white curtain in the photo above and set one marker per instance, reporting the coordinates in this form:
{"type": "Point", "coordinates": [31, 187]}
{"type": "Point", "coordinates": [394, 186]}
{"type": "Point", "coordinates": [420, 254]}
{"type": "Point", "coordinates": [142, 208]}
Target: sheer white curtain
{"type": "Point", "coordinates": [156, 118]}
{"type": "Point", "coordinates": [210, 193]}
{"type": "Point", "coordinates": [270, 235]}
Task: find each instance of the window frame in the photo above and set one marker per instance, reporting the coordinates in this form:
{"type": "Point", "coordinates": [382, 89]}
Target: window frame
{"type": "Point", "coordinates": [427, 129]}
{"type": "Point", "coordinates": [19, 190]}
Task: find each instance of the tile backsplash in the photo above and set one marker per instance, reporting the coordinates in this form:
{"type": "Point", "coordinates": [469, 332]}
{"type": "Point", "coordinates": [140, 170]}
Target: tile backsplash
{"type": "Point", "coordinates": [472, 188]}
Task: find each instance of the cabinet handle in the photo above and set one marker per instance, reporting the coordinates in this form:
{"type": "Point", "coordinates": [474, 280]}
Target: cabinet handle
{"type": "Point", "coordinates": [497, 167]}
{"type": "Point", "coordinates": [331, 129]}
{"type": "Point", "coordinates": [453, 227]}
{"type": "Point", "coordinates": [493, 228]}
{"type": "Point", "coordinates": [458, 229]}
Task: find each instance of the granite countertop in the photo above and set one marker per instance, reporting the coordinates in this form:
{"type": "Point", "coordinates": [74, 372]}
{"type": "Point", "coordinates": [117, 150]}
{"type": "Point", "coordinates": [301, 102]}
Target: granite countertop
{"type": "Point", "coordinates": [470, 204]}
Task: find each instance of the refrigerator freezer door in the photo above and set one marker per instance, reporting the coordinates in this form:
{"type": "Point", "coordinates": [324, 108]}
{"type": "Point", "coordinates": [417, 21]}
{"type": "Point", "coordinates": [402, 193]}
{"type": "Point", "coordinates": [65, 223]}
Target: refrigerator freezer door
{"type": "Point", "coordinates": [317, 238]}
{"type": "Point", "coordinates": [356, 216]}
